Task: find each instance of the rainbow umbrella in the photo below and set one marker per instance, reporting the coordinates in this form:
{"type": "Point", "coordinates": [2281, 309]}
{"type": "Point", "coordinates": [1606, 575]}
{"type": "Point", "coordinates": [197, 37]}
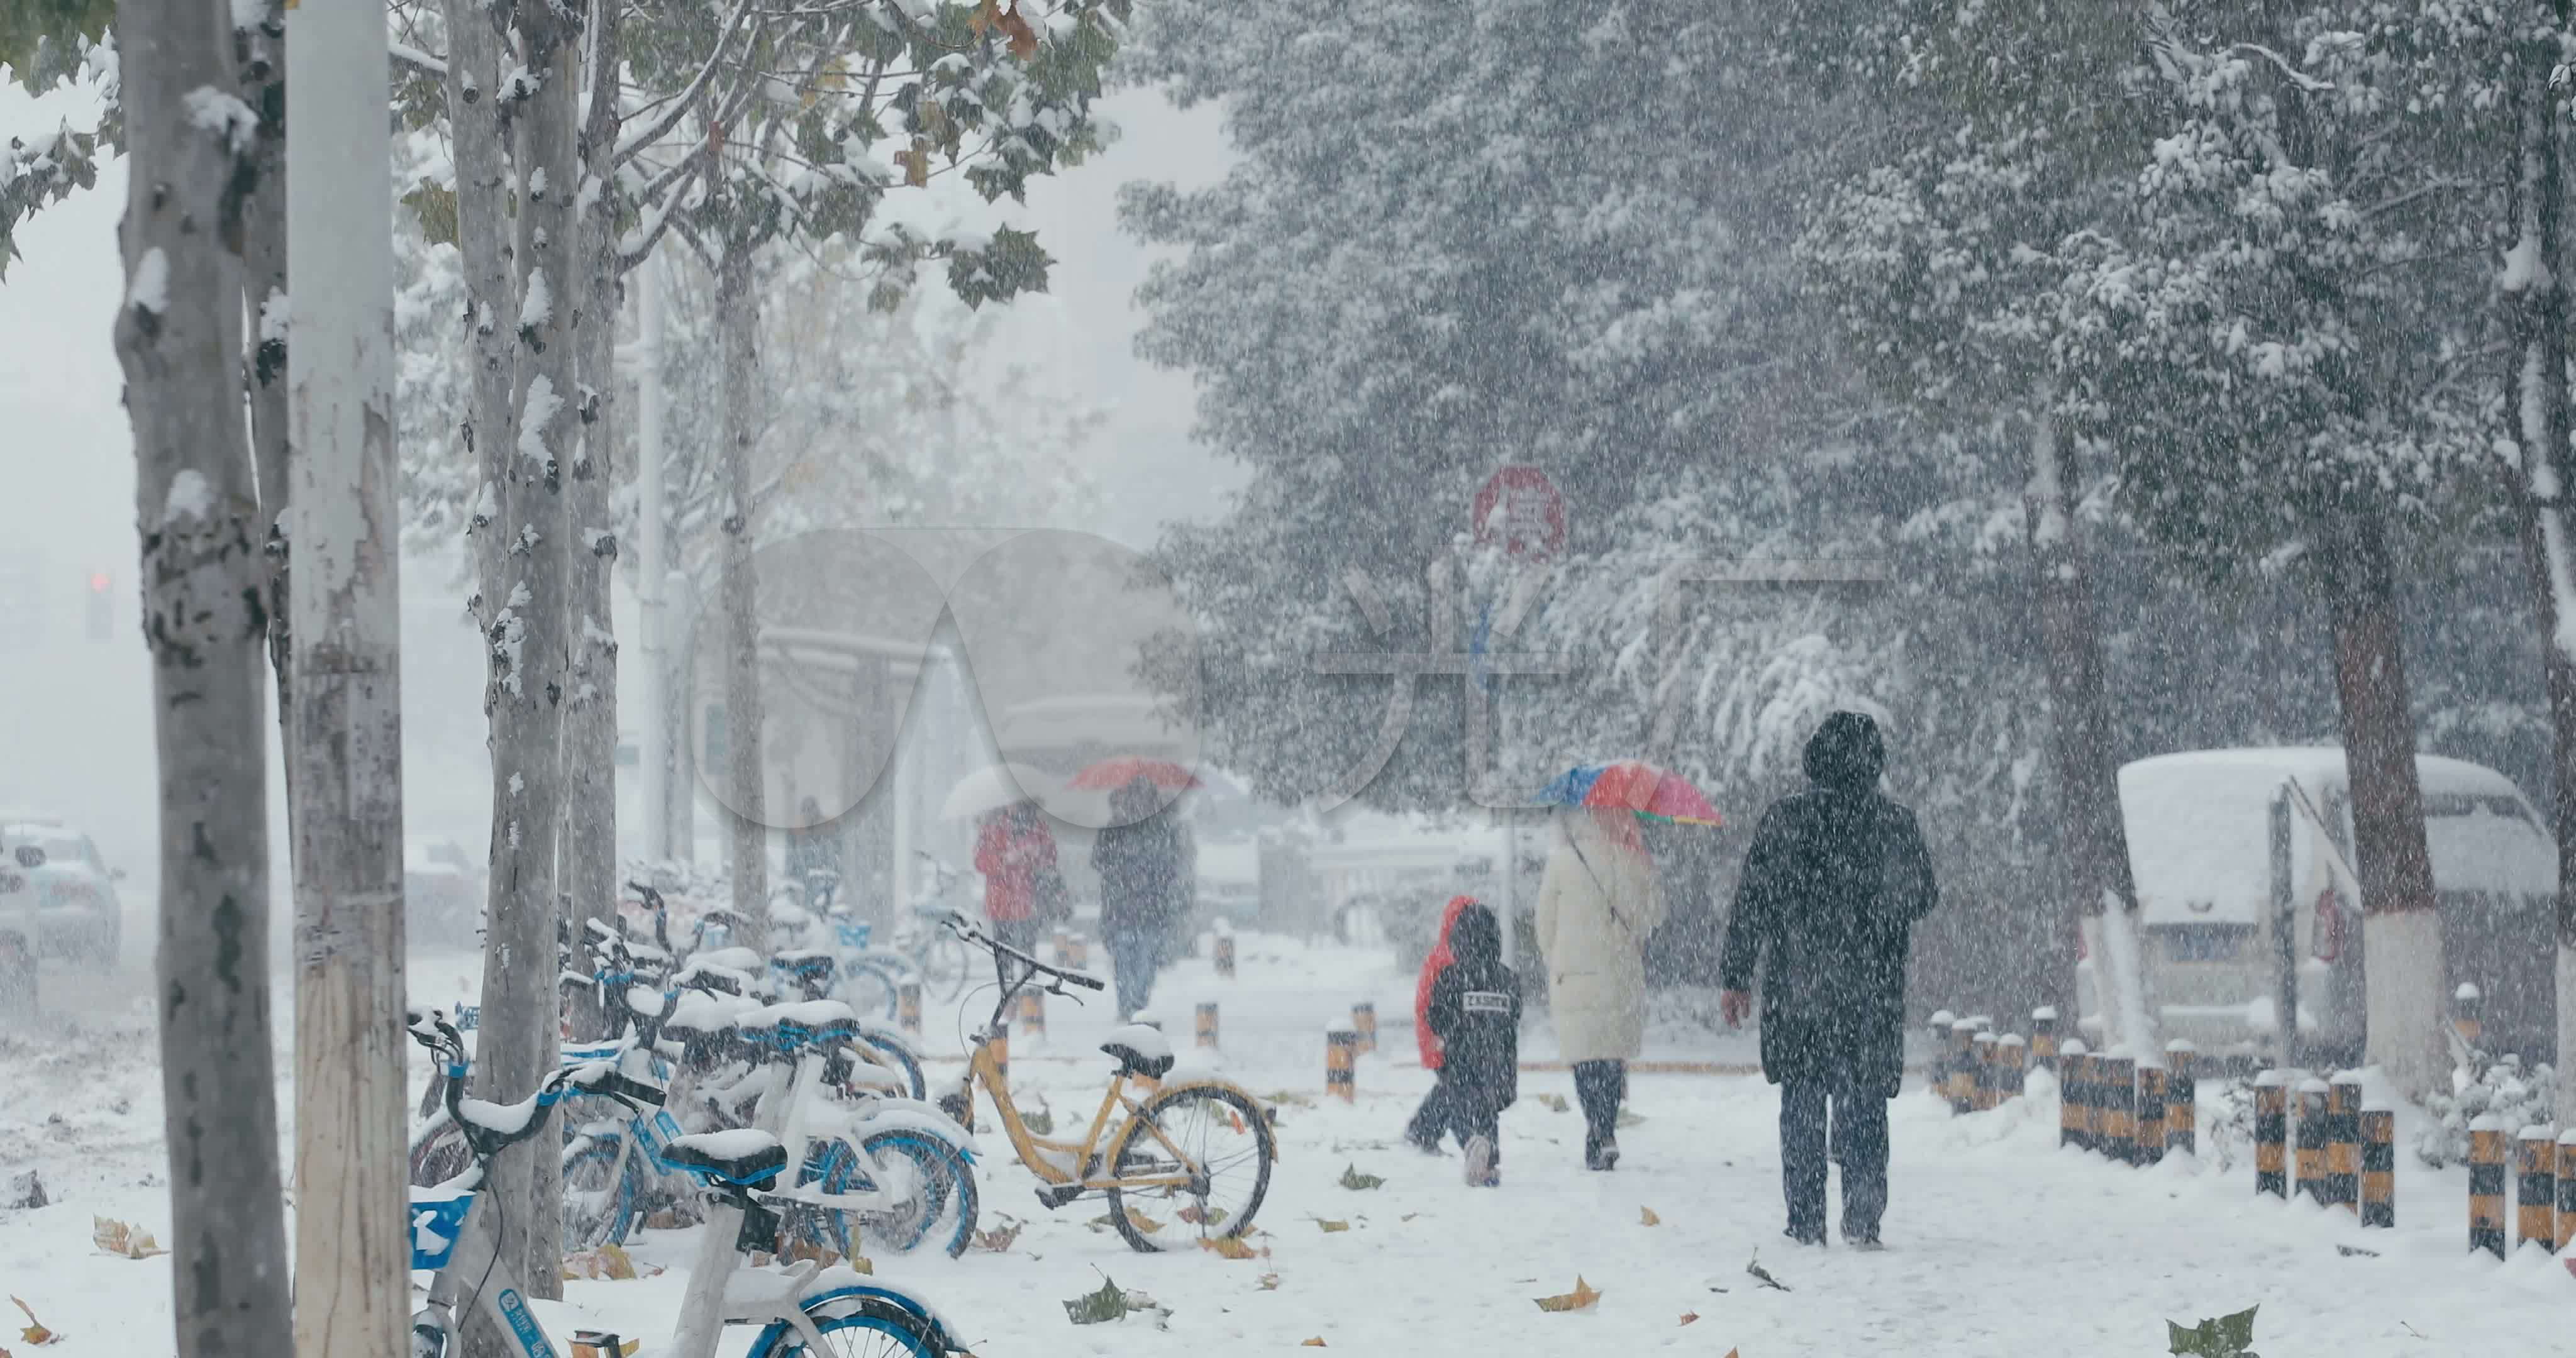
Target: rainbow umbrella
{"type": "Point", "coordinates": [1632, 785]}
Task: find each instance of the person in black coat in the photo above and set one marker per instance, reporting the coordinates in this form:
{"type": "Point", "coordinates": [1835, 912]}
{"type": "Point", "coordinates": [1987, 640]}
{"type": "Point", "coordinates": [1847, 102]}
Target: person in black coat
{"type": "Point", "coordinates": [1476, 1010]}
{"type": "Point", "coordinates": [1832, 887]}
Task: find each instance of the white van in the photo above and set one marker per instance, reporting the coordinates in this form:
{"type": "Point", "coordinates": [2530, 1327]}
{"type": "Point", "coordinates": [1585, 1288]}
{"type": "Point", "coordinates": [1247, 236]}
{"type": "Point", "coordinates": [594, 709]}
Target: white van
{"type": "Point", "coordinates": [2201, 843]}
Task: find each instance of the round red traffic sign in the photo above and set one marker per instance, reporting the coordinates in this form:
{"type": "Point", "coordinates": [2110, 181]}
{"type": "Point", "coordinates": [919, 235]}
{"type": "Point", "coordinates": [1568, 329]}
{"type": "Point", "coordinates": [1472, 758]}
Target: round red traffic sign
{"type": "Point", "coordinates": [1522, 510]}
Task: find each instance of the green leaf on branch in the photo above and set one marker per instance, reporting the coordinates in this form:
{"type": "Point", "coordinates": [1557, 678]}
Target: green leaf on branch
{"type": "Point", "coordinates": [1010, 264]}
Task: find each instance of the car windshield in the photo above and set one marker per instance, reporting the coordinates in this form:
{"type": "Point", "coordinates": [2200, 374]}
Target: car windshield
{"type": "Point", "coordinates": [60, 849]}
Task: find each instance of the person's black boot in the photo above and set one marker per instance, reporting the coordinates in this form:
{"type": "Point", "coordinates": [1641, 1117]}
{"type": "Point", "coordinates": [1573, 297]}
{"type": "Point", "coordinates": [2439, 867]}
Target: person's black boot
{"type": "Point", "coordinates": [1797, 1236]}
{"type": "Point", "coordinates": [1601, 1153]}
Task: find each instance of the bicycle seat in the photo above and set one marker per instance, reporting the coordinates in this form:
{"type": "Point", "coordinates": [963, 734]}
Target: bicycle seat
{"type": "Point", "coordinates": [746, 1156]}
{"type": "Point", "coordinates": [1140, 1050]}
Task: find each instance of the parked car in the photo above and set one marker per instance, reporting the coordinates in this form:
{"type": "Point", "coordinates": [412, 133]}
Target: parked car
{"type": "Point", "coordinates": [78, 916]}
{"type": "Point", "coordinates": [2213, 877]}
{"type": "Point", "coordinates": [18, 928]}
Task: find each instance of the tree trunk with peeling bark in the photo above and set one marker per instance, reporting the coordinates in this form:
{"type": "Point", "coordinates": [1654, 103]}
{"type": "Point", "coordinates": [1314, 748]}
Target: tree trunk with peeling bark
{"type": "Point", "coordinates": [738, 318]}
{"type": "Point", "coordinates": [190, 143]}
{"type": "Point", "coordinates": [260, 52]}
{"type": "Point", "coordinates": [344, 751]}
{"type": "Point", "coordinates": [521, 1024]}
{"type": "Point", "coordinates": [478, 140]}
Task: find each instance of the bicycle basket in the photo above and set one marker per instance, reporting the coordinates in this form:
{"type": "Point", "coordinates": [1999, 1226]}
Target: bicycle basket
{"type": "Point", "coordinates": [437, 1219]}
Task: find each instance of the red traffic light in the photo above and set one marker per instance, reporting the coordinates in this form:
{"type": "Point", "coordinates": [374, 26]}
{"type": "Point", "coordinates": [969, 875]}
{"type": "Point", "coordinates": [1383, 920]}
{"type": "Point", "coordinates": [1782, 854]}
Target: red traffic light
{"type": "Point", "coordinates": [99, 581]}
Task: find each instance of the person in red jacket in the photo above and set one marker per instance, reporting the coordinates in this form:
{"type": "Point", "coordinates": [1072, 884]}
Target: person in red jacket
{"type": "Point", "coordinates": [1013, 851]}
{"type": "Point", "coordinates": [1432, 1118]}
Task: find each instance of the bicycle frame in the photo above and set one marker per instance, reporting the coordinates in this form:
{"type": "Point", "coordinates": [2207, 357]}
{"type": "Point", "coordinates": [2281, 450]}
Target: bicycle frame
{"type": "Point", "coordinates": [1039, 1152]}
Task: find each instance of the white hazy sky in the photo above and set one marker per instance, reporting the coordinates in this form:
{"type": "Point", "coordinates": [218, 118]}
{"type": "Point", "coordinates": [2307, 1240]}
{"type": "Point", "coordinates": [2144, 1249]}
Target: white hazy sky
{"type": "Point", "coordinates": [77, 734]}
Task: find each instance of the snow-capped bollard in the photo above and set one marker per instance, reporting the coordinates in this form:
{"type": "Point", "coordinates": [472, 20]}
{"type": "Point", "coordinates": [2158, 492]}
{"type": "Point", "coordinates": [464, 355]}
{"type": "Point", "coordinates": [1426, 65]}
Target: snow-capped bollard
{"type": "Point", "coordinates": [2378, 1167]}
{"type": "Point", "coordinates": [2535, 1190]}
{"type": "Point", "coordinates": [2567, 1187]}
{"type": "Point", "coordinates": [1939, 1083]}
{"type": "Point", "coordinates": [2468, 1012]}
{"type": "Point", "coordinates": [2074, 1116]}
{"type": "Point", "coordinates": [2119, 1090]}
{"type": "Point", "coordinates": [1064, 947]}
{"type": "Point", "coordinates": [907, 1006]}
{"type": "Point", "coordinates": [1207, 1023]}
{"type": "Point", "coordinates": [1224, 949]}
{"type": "Point", "coordinates": [2311, 1138]}
{"type": "Point", "coordinates": [1033, 1013]}
{"type": "Point", "coordinates": [2043, 1037]}
{"type": "Point", "coordinates": [2486, 1184]}
{"type": "Point", "coordinates": [2343, 1141]}
{"type": "Point", "coordinates": [1078, 951]}
{"type": "Point", "coordinates": [2147, 1142]}
{"type": "Point", "coordinates": [1341, 1064]}
{"type": "Point", "coordinates": [1364, 1022]}
{"type": "Point", "coordinates": [1962, 1083]}
{"type": "Point", "coordinates": [2182, 1099]}
{"type": "Point", "coordinates": [2272, 1133]}
{"type": "Point", "coordinates": [1983, 1078]}
{"type": "Point", "coordinates": [2012, 1057]}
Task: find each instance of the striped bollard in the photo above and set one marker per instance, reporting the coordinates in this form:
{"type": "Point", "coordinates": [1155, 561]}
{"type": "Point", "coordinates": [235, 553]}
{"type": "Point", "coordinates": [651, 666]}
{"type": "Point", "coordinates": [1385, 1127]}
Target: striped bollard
{"type": "Point", "coordinates": [2074, 1113]}
{"type": "Point", "coordinates": [2182, 1100]}
{"type": "Point", "coordinates": [2535, 1194]}
{"type": "Point", "coordinates": [2486, 1185]}
{"type": "Point", "coordinates": [1225, 955]}
{"type": "Point", "coordinates": [2468, 1012]}
{"type": "Point", "coordinates": [1341, 1064]}
{"type": "Point", "coordinates": [2147, 1142]}
{"type": "Point", "coordinates": [2272, 1133]}
{"type": "Point", "coordinates": [1940, 1074]}
{"type": "Point", "coordinates": [2311, 1136]}
{"type": "Point", "coordinates": [1078, 951]}
{"type": "Point", "coordinates": [1033, 1013]}
{"type": "Point", "coordinates": [1364, 1022]}
{"type": "Point", "coordinates": [2567, 1186]}
{"type": "Point", "coordinates": [2013, 1056]}
{"type": "Point", "coordinates": [1963, 1065]}
{"type": "Point", "coordinates": [907, 1007]}
{"type": "Point", "coordinates": [2119, 1092]}
{"type": "Point", "coordinates": [1983, 1076]}
{"type": "Point", "coordinates": [1064, 947]}
{"type": "Point", "coordinates": [2343, 1141]}
{"type": "Point", "coordinates": [2043, 1037]}
{"type": "Point", "coordinates": [1207, 1023]}
{"type": "Point", "coordinates": [2378, 1167]}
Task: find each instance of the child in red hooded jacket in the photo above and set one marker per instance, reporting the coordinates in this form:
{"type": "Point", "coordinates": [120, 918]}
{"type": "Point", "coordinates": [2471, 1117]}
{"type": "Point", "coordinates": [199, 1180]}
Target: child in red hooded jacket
{"type": "Point", "coordinates": [1432, 1119]}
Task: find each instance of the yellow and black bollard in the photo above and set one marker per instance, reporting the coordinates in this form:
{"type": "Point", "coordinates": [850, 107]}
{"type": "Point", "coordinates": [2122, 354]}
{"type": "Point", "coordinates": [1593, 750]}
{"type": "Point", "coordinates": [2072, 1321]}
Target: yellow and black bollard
{"type": "Point", "coordinates": [2147, 1144]}
{"type": "Point", "coordinates": [1078, 952]}
{"type": "Point", "coordinates": [1939, 1083]}
{"type": "Point", "coordinates": [2075, 1096]}
{"type": "Point", "coordinates": [2468, 1012]}
{"type": "Point", "coordinates": [1064, 947]}
{"type": "Point", "coordinates": [2567, 1187]}
{"type": "Point", "coordinates": [1984, 1077]}
{"type": "Point", "coordinates": [2535, 1190]}
{"type": "Point", "coordinates": [2118, 1076]}
{"type": "Point", "coordinates": [2311, 1138]}
{"type": "Point", "coordinates": [2343, 1141]}
{"type": "Point", "coordinates": [2486, 1185]}
{"type": "Point", "coordinates": [2272, 1133]}
{"type": "Point", "coordinates": [2012, 1057]}
{"type": "Point", "coordinates": [1364, 1022]}
{"type": "Point", "coordinates": [1225, 955]}
{"type": "Point", "coordinates": [1341, 1064]}
{"type": "Point", "coordinates": [1963, 1065]}
{"type": "Point", "coordinates": [1033, 1013]}
{"type": "Point", "coordinates": [907, 1007]}
{"type": "Point", "coordinates": [2043, 1037]}
{"type": "Point", "coordinates": [2378, 1167]}
{"type": "Point", "coordinates": [1207, 1023]}
{"type": "Point", "coordinates": [2182, 1100]}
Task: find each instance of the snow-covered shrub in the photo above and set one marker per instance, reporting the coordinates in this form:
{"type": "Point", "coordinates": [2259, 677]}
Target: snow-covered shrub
{"type": "Point", "coordinates": [2226, 1115]}
{"type": "Point", "coordinates": [2501, 1087]}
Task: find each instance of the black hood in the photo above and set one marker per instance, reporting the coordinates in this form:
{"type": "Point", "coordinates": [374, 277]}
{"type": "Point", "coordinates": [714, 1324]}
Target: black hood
{"type": "Point", "coordinates": [1476, 938]}
{"type": "Point", "coordinates": [1846, 753]}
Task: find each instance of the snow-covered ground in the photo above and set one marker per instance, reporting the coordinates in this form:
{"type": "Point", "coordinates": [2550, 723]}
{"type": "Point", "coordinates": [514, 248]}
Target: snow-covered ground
{"type": "Point", "coordinates": [1999, 1243]}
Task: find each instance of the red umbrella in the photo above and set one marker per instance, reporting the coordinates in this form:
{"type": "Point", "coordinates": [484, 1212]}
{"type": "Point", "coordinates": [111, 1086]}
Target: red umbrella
{"type": "Point", "coordinates": [1119, 772]}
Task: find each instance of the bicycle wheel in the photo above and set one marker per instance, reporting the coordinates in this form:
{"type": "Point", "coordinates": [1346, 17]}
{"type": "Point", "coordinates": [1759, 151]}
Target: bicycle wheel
{"type": "Point", "coordinates": [830, 1166]}
{"type": "Point", "coordinates": [898, 1055]}
{"type": "Point", "coordinates": [946, 966]}
{"type": "Point", "coordinates": [942, 1203]}
{"type": "Point", "coordinates": [1224, 1136]}
{"type": "Point", "coordinates": [598, 1195]}
{"type": "Point", "coordinates": [869, 987]}
{"type": "Point", "coordinates": [881, 1330]}
{"type": "Point", "coordinates": [439, 1155]}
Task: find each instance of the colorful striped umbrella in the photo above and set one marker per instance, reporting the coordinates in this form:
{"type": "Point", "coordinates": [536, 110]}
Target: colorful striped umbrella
{"type": "Point", "coordinates": [1632, 785]}
{"type": "Point", "coordinates": [1118, 772]}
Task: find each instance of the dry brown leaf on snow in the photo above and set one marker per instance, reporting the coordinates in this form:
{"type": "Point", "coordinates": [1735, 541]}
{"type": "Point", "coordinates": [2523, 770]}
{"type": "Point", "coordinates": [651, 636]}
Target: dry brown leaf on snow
{"type": "Point", "coordinates": [117, 1238]}
{"type": "Point", "coordinates": [1647, 1217]}
{"type": "Point", "coordinates": [1332, 1226]}
{"type": "Point", "coordinates": [34, 1331]}
{"type": "Point", "coordinates": [999, 1238]}
{"type": "Point", "coordinates": [1689, 1316]}
{"type": "Point", "coordinates": [1582, 1296]}
{"type": "Point", "coordinates": [1315, 1343]}
{"type": "Point", "coordinates": [1227, 1247]}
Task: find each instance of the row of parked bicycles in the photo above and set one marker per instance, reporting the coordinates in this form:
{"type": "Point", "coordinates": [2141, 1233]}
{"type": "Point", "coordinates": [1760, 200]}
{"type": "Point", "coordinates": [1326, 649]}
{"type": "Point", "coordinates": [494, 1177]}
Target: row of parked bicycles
{"type": "Point", "coordinates": [774, 1100]}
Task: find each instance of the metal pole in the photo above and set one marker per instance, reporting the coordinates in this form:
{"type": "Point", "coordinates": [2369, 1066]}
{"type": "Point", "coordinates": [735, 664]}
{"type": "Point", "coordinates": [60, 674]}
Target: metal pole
{"type": "Point", "coordinates": [2285, 933]}
{"type": "Point", "coordinates": [1511, 889]}
{"type": "Point", "coordinates": [649, 580]}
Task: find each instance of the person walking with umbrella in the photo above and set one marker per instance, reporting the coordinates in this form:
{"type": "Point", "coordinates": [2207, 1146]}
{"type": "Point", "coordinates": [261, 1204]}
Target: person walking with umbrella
{"type": "Point", "coordinates": [1145, 888]}
{"type": "Point", "coordinates": [1833, 884]}
{"type": "Point", "coordinates": [1015, 853]}
{"type": "Point", "coordinates": [1597, 904]}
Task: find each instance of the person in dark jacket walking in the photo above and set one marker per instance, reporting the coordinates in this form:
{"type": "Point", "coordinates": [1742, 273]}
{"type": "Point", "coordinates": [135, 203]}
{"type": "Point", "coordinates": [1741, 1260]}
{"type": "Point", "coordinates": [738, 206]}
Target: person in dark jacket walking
{"type": "Point", "coordinates": [1431, 1121]}
{"type": "Point", "coordinates": [1476, 1012]}
{"type": "Point", "coordinates": [1833, 885]}
{"type": "Point", "coordinates": [1145, 889]}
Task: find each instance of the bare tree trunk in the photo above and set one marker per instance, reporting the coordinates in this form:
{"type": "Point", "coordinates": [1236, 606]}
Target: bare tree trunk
{"type": "Point", "coordinates": [530, 657]}
{"type": "Point", "coordinates": [479, 139]}
{"type": "Point", "coordinates": [589, 858]}
{"type": "Point", "coordinates": [2102, 896]}
{"type": "Point", "coordinates": [260, 51]}
{"type": "Point", "coordinates": [352, 1246]}
{"type": "Point", "coordinates": [190, 141]}
{"type": "Point", "coordinates": [2536, 314]}
{"type": "Point", "coordinates": [2401, 933]}
{"type": "Point", "coordinates": [738, 318]}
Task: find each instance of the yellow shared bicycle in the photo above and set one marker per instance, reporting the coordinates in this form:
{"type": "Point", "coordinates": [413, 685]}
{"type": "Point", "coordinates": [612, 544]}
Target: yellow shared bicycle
{"type": "Point", "coordinates": [1179, 1163]}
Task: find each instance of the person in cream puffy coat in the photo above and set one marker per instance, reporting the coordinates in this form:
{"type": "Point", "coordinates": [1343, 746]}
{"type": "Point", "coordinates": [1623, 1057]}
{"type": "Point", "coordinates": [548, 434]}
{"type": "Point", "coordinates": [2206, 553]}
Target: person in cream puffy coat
{"type": "Point", "coordinates": [1597, 905]}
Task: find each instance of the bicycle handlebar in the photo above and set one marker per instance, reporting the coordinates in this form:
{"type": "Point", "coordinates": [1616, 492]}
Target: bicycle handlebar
{"type": "Point", "coordinates": [965, 929]}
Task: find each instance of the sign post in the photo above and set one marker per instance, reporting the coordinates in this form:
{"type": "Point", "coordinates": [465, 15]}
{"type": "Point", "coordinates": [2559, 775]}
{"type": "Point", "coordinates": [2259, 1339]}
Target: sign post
{"type": "Point", "coordinates": [1522, 511]}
